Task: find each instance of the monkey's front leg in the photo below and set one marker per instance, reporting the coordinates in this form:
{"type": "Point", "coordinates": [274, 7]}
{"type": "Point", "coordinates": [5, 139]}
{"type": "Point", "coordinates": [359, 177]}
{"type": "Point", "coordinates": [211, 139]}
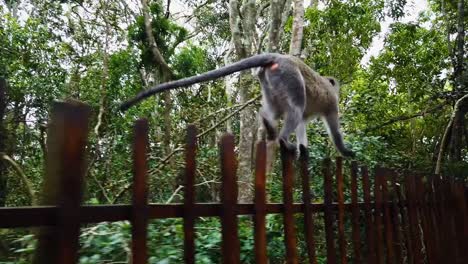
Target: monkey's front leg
{"type": "Point", "coordinates": [333, 126]}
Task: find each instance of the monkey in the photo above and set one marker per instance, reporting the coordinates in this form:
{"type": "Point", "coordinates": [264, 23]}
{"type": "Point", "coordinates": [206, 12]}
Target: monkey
{"type": "Point", "coordinates": [290, 90]}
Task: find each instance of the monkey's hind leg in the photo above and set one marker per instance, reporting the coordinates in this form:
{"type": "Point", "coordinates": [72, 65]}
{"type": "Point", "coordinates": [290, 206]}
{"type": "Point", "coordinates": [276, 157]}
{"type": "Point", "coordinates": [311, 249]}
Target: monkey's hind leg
{"type": "Point", "coordinates": [291, 122]}
{"type": "Point", "coordinates": [301, 136]}
{"type": "Point", "coordinates": [269, 123]}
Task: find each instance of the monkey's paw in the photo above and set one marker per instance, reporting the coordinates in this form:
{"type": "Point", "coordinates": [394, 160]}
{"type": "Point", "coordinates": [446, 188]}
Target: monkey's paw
{"type": "Point", "coordinates": [284, 144]}
{"type": "Point", "coordinates": [347, 153]}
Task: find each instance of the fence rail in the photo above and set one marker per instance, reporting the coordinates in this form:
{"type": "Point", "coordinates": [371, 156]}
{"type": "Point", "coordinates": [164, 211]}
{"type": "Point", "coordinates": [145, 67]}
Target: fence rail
{"type": "Point", "coordinates": [410, 219]}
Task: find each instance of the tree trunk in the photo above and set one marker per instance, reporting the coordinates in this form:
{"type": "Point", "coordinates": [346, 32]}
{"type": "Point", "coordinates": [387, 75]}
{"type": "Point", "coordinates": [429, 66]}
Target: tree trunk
{"type": "Point", "coordinates": [166, 74]}
{"type": "Point", "coordinates": [3, 140]}
{"type": "Point", "coordinates": [248, 127]}
{"type": "Point", "coordinates": [104, 77]}
{"type": "Point", "coordinates": [243, 43]}
{"type": "Point", "coordinates": [279, 12]}
{"type": "Point", "coordinates": [276, 11]}
{"type": "Point", "coordinates": [297, 28]}
{"type": "Point", "coordinates": [460, 52]}
{"type": "Point", "coordinates": [459, 111]}
{"type": "Point", "coordinates": [230, 88]}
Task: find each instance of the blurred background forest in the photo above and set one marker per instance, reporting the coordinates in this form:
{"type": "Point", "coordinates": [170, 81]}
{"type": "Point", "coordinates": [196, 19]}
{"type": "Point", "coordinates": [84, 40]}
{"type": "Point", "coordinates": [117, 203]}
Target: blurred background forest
{"type": "Point", "coordinates": [402, 65]}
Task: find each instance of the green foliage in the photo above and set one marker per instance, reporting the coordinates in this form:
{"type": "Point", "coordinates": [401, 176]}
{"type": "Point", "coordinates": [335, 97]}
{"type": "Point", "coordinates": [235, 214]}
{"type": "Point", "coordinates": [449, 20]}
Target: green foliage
{"type": "Point", "coordinates": [167, 35]}
{"type": "Point", "coordinates": [339, 35]}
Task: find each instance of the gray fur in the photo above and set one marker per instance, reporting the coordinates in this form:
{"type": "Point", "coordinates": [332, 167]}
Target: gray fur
{"type": "Point", "coordinates": [290, 89]}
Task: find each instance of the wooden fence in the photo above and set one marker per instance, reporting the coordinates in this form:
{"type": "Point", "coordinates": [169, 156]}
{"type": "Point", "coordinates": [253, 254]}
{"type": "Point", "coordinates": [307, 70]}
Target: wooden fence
{"type": "Point", "coordinates": [411, 219]}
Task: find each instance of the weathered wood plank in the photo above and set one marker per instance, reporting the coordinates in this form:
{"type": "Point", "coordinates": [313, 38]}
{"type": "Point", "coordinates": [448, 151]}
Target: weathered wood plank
{"type": "Point", "coordinates": [370, 228]}
{"type": "Point", "coordinates": [355, 213]}
{"type": "Point", "coordinates": [260, 205]}
{"type": "Point", "coordinates": [139, 215]}
{"type": "Point", "coordinates": [67, 137]}
{"type": "Point", "coordinates": [189, 195]}
{"type": "Point", "coordinates": [229, 193]}
{"type": "Point", "coordinates": [308, 212]}
{"type": "Point", "coordinates": [341, 211]}
{"type": "Point", "coordinates": [329, 232]}
{"type": "Point", "coordinates": [288, 217]}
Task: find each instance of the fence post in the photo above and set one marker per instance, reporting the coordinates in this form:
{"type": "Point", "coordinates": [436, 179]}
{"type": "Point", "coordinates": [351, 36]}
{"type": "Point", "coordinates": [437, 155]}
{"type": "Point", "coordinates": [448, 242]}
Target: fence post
{"type": "Point", "coordinates": [432, 206]}
{"type": "Point", "coordinates": [139, 215]}
{"type": "Point", "coordinates": [260, 205]}
{"type": "Point", "coordinates": [189, 195]}
{"type": "Point", "coordinates": [404, 211]}
{"type": "Point", "coordinates": [370, 229]}
{"type": "Point", "coordinates": [306, 199]}
{"type": "Point", "coordinates": [395, 218]}
{"type": "Point", "coordinates": [425, 220]}
{"type": "Point", "coordinates": [288, 217]}
{"type": "Point", "coordinates": [378, 215]}
{"type": "Point", "coordinates": [63, 184]}
{"type": "Point", "coordinates": [355, 213]}
{"type": "Point", "coordinates": [413, 219]}
{"type": "Point", "coordinates": [459, 193]}
{"type": "Point", "coordinates": [328, 212]}
{"type": "Point", "coordinates": [230, 243]}
{"type": "Point", "coordinates": [387, 218]}
{"type": "Point", "coordinates": [339, 189]}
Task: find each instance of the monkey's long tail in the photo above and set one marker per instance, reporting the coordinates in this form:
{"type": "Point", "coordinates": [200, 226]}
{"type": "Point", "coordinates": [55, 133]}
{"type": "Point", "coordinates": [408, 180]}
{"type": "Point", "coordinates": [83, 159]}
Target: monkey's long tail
{"type": "Point", "coordinates": [248, 63]}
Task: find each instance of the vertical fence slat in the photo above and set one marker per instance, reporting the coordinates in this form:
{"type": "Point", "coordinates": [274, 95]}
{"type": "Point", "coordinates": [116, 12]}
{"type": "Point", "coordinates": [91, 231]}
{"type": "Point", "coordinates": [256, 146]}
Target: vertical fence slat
{"type": "Point", "coordinates": [189, 195]}
{"type": "Point", "coordinates": [453, 214]}
{"type": "Point", "coordinates": [387, 218]}
{"type": "Point", "coordinates": [396, 219]}
{"type": "Point", "coordinates": [403, 204]}
{"type": "Point", "coordinates": [355, 213]}
{"type": "Point", "coordinates": [434, 216]}
{"type": "Point", "coordinates": [462, 220]}
{"type": "Point", "coordinates": [288, 217]}
{"type": "Point", "coordinates": [63, 186]}
{"type": "Point", "coordinates": [447, 222]}
{"type": "Point", "coordinates": [370, 228]}
{"type": "Point", "coordinates": [230, 243]}
{"type": "Point", "coordinates": [413, 220]}
{"type": "Point", "coordinates": [328, 211]}
{"type": "Point", "coordinates": [378, 215]}
{"type": "Point", "coordinates": [260, 205]}
{"type": "Point", "coordinates": [423, 211]}
{"type": "Point", "coordinates": [75, 135]}
{"type": "Point", "coordinates": [341, 231]}
{"type": "Point", "coordinates": [451, 233]}
{"type": "Point", "coordinates": [75, 130]}
{"type": "Point", "coordinates": [306, 199]}
{"type": "Point", "coordinates": [442, 219]}
{"type": "Point", "coordinates": [140, 193]}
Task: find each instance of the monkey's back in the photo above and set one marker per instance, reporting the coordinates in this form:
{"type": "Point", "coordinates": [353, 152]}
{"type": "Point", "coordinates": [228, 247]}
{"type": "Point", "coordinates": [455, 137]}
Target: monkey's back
{"type": "Point", "coordinates": [321, 97]}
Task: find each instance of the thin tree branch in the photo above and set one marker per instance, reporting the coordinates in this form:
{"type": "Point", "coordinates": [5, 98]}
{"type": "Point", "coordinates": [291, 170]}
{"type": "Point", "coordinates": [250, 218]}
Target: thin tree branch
{"type": "Point", "coordinates": [167, 9]}
{"type": "Point", "coordinates": [181, 187]}
{"type": "Point", "coordinates": [24, 179]}
{"type": "Point", "coordinates": [229, 116]}
{"type": "Point", "coordinates": [406, 117]}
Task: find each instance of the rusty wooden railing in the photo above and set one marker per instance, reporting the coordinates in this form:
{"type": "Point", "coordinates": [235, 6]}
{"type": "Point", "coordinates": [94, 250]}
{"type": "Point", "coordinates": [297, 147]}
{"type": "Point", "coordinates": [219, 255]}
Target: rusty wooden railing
{"type": "Point", "coordinates": [416, 220]}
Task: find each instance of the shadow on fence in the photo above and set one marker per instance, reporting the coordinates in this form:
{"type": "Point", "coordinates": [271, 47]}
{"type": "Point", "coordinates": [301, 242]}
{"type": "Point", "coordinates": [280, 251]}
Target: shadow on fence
{"type": "Point", "coordinates": [414, 220]}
